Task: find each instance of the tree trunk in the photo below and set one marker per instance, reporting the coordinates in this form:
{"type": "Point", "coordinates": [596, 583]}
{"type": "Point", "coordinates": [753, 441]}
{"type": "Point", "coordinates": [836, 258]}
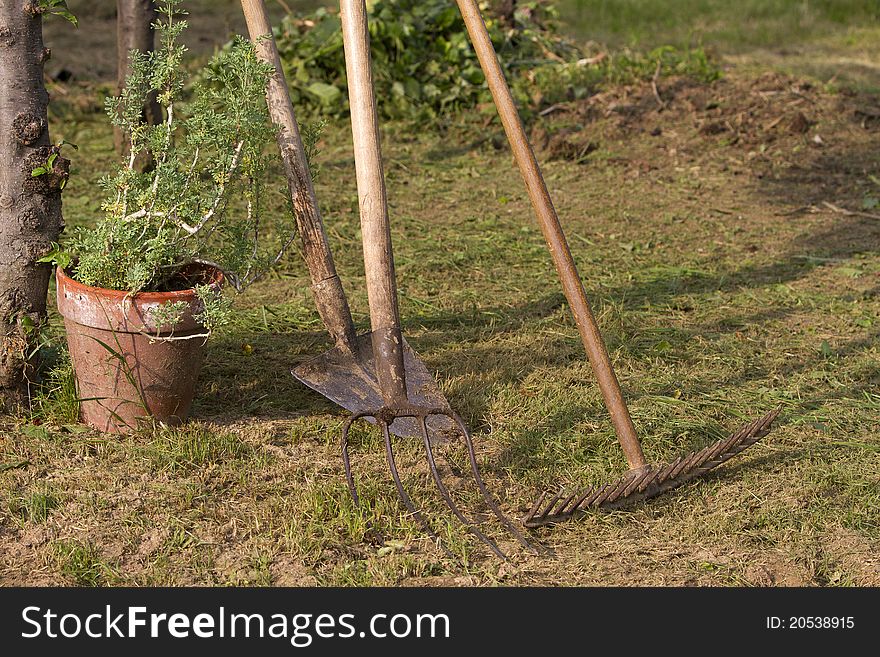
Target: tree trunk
{"type": "Point", "coordinates": [134, 31]}
{"type": "Point", "coordinates": [30, 206]}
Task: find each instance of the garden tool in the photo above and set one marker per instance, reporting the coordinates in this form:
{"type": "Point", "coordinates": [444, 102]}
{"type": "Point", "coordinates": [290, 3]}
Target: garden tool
{"type": "Point", "coordinates": [387, 341]}
{"type": "Point", "coordinates": [346, 373]}
{"type": "Point", "coordinates": [643, 480]}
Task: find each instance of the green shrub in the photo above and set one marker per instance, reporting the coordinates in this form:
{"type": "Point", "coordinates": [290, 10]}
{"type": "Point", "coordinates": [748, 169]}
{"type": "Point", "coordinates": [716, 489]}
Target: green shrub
{"type": "Point", "coordinates": [423, 64]}
{"type": "Point", "coordinates": [201, 200]}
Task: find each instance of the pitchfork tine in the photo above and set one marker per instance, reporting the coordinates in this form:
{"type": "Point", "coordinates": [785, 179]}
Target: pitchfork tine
{"type": "Point", "coordinates": [395, 475]}
{"type": "Point", "coordinates": [444, 492]}
{"type": "Point", "coordinates": [485, 492]}
{"type": "Point", "coordinates": [346, 460]}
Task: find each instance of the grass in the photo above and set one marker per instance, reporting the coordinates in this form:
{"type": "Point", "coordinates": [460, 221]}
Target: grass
{"type": "Point", "coordinates": [194, 446]}
{"type": "Point", "coordinates": [36, 504]}
{"type": "Point", "coordinates": [81, 564]}
{"type": "Point", "coordinates": [56, 398]}
{"type": "Point", "coordinates": [827, 39]}
{"type": "Point", "coordinates": [750, 23]}
{"type": "Point", "coordinates": [722, 282]}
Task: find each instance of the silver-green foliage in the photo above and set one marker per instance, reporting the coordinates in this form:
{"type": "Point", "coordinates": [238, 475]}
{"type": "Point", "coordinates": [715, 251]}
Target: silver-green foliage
{"type": "Point", "coordinates": [214, 310]}
{"type": "Point", "coordinates": [201, 201]}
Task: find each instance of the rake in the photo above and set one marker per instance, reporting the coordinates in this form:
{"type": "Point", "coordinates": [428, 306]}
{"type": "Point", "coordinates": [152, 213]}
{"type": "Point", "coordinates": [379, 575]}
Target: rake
{"type": "Point", "coordinates": [643, 481]}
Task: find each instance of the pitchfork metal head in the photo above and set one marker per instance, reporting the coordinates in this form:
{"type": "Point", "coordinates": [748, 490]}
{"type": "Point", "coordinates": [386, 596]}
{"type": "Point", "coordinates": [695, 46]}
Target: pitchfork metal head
{"type": "Point", "coordinates": [385, 417]}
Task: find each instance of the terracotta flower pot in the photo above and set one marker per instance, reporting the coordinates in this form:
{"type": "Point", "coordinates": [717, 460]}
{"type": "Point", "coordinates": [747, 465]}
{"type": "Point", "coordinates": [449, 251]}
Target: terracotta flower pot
{"type": "Point", "coordinates": [123, 372]}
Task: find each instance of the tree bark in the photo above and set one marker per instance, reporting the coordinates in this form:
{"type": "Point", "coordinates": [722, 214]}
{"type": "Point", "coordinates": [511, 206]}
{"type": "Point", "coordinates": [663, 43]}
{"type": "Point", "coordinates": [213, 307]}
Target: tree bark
{"type": "Point", "coordinates": [134, 31]}
{"type": "Point", "coordinates": [30, 206]}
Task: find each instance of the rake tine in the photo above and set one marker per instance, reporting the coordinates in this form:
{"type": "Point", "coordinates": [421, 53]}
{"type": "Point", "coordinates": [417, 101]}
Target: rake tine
{"type": "Point", "coordinates": [739, 435]}
{"type": "Point", "coordinates": [637, 482]}
{"type": "Point", "coordinates": [590, 496]}
{"type": "Point", "coordinates": [561, 508]}
{"type": "Point", "coordinates": [763, 427]}
{"type": "Point", "coordinates": [605, 493]}
{"type": "Point", "coordinates": [482, 486]}
{"type": "Point", "coordinates": [587, 493]}
{"type": "Point", "coordinates": [760, 429]}
{"type": "Point", "coordinates": [444, 492]}
{"type": "Point", "coordinates": [751, 433]}
{"type": "Point", "coordinates": [536, 506]}
{"type": "Point", "coordinates": [395, 475]}
{"type": "Point", "coordinates": [681, 467]}
{"type": "Point", "coordinates": [699, 463]}
{"type": "Point", "coordinates": [698, 458]}
{"type": "Point", "coordinates": [666, 470]}
{"type": "Point", "coordinates": [648, 482]}
{"type": "Point", "coordinates": [566, 510]}
{"type": "Point", "coordinates": [616, 489]}
{"type": "Point", "coordinates": [552, 504]}
{"type": "Point", "coordinates": [595, 494]}
{"type": "Point", "coordinates": [747, 437]}
{"type": "Point", "coordinates": [635, 487]}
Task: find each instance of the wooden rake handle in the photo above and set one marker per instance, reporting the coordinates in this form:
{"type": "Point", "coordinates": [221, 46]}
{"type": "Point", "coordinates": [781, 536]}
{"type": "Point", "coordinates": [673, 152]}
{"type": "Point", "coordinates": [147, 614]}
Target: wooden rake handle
{"type": "Point", "coordinates": [375, 225]}
{"type": "Point", "coordinates": [553, 234]}
{"type": "Point", "coordinates": [327, 289]}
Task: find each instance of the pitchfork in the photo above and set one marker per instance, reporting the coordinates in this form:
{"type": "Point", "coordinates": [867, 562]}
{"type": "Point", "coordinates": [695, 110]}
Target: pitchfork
{"type": "Point", "coordinates": [387, 339]}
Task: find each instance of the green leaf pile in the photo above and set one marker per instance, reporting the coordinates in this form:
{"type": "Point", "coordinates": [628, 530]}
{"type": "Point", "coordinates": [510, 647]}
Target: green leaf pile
{"type": "Point", "coordinates": [423, 64]}
{"type": "Point", "coordinates": [425, 68]}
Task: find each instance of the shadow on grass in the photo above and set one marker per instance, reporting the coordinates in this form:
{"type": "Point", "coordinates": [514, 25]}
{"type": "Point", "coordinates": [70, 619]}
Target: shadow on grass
{"type": "Point", "coordinates": [255, 378]}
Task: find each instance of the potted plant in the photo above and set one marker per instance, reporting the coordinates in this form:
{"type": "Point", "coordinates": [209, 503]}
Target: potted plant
{"type": "Point", "coordinates": [141, 290]}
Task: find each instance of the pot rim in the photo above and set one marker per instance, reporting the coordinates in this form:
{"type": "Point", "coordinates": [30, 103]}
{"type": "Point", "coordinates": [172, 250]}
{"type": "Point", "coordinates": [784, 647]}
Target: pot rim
{"type": "Point", "coordinates": [217, 279]}
{"type": "Point", "coordinates": [120, 310]}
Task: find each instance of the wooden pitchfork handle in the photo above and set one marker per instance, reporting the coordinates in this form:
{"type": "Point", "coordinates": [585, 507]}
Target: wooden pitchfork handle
{"type": "Point", "coordinates": [553, 234]}
{"type": "Point", "coordinates": [327, 289]}
{"type": "Point", "coordinates": [375, 224]}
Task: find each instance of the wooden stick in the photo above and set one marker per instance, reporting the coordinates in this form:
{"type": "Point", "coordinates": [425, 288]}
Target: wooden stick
{"type": "Point", "coordinates": [375, 225]}
{"type": "Point", "coordinates": [326, 287]}
{"type": "Point", "coordinates": [553, 234]}
{"type": "Point", "coordinates": [849, 213]}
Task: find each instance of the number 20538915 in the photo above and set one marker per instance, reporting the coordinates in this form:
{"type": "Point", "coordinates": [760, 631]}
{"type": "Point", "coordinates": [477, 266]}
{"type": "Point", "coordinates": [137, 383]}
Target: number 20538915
{"type": "Point", "coordinates": [811, 623]}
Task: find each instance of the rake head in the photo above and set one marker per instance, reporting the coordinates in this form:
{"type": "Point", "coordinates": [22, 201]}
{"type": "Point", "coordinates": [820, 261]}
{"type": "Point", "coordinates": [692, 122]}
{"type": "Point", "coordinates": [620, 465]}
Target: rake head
{"type": "Point", "coordinates": [385, 417]}
{"type": "Point", "coordinates": [647, 482]}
